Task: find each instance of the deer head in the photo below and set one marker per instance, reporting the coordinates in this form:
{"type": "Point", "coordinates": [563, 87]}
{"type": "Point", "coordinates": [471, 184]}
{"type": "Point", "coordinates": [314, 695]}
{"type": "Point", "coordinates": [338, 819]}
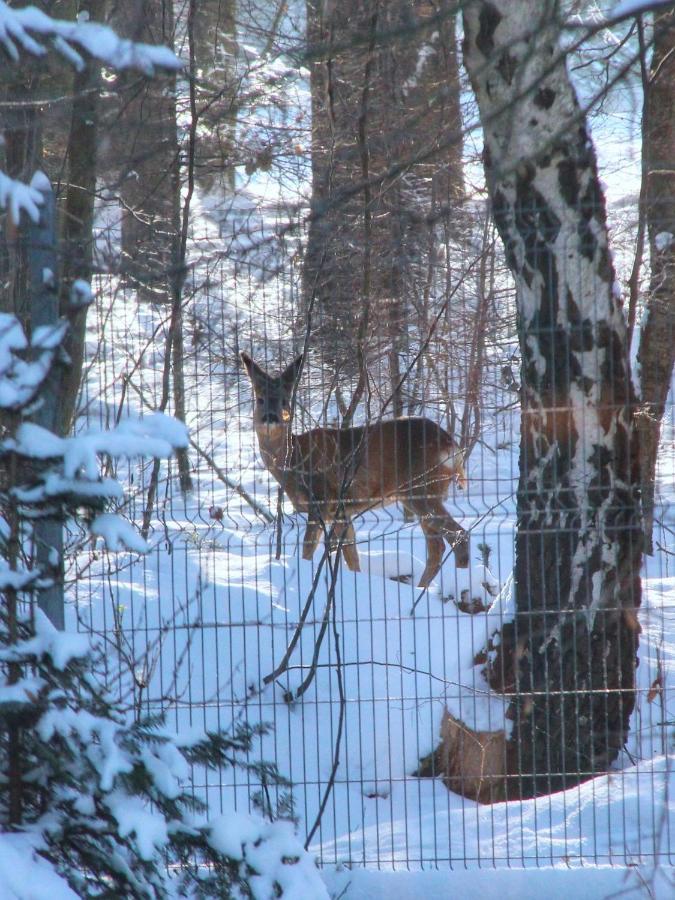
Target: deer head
{"type": "Point", "coordinates": [272, 394]}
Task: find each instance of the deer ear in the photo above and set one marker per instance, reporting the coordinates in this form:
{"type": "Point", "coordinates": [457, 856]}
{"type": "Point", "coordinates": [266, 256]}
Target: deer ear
{"type": "Point", "coordinates": [252, 367]}
{"type": "Point", "coordinates": [290, 373]}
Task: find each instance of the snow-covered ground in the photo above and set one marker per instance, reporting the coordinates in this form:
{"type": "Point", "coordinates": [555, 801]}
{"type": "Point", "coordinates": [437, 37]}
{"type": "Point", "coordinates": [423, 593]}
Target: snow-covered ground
{"type": "Point", "coordinates": [197, 624]}
{"type": "Point", "coordinates": [212, 611]}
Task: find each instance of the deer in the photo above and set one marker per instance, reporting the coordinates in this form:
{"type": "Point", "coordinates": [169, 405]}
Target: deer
{"type": "Point", "coordinates": [333, 474]}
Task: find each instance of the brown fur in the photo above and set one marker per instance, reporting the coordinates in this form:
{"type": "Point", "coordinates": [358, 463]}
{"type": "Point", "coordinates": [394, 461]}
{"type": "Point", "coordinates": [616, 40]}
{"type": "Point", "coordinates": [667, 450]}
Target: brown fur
{"type": "Point", "coordinates": [333, 474]}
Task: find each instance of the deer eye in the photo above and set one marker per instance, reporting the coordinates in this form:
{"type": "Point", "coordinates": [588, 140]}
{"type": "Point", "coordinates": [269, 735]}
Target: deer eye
{"type": "Point", "coordinates": [260, 399]}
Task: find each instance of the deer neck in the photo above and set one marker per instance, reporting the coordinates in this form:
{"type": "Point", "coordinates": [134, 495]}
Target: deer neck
{"type": "Point", "coordinates": [276, 446]}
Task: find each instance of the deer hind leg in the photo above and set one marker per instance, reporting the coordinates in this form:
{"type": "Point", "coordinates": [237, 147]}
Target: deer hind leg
{"type": "Point", "coordinates": [455, 535]}
{"type": "Point", "coordinates": [433, 536]}
{"type": "Point", "coordinates": [344, 531]}
{"type": "Point", "coordinates": [438, 524]}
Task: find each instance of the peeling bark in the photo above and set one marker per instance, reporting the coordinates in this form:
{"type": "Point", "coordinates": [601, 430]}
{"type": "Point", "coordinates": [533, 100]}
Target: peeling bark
{"type": "Point", "coordinates": [571, 650]}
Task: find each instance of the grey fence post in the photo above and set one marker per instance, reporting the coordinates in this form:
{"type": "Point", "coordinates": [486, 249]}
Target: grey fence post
{"type": "Point", "coordinates": [44, 310]}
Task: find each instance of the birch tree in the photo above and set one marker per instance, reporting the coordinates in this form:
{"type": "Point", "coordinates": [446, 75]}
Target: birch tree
{"type": "Point", "coordinates": [569, 656]}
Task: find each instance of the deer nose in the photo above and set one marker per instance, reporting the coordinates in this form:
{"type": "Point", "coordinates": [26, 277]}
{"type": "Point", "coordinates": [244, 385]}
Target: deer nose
{"type": "Point", "coordinates": [271, 419]}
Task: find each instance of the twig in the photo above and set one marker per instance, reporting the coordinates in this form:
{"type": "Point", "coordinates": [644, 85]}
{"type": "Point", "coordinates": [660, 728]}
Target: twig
{"type": "Point", "coordinates": [257, 507]}
{"type": "Point", "coordinates": [338, 737]}
{"type": "Point", "coordinates": [283, 665]}
{"type": "Point", "coordinates": [330, 605]}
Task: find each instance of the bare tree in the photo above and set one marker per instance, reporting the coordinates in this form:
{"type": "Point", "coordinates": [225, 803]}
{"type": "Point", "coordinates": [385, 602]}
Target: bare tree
{"type": "Point", "coordinates": [656, 353]}
{"type": "Point", "coordinates": [386, 152]}
{"type": "Point", "coordinates": [215, 47]}
{"type": "Point", "coordinates": [146, 141]}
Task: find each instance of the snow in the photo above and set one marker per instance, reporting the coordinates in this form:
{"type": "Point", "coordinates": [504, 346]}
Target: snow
{"type": "Point", "coordinates": [80, 294]}
{"type": "Point", "coordinates": [26, 876]}
{"type": "Point", "coordinates": [49, 337]}
{"type": "Point", "coordinates": [426, 52]}
{"type": "Point", "coordinates": [12, 339]}
{"type": "Point", "coordinates": [16, 579]}
{"type": "Point", "coordinates": [25, 690]}
{"type": "Point", "coordinates": [663, 241]}
{"type": "Point", "coordinates": [547, 882]}
{"type": "Point", "coordinates": [17, 196]}
{"type": "Point", "coordinates": [229, 833]}
{"type": "Point", "coordinates": [168, 768]}
{"type": "Point", "coordinates": [18, 27]}
{"type": "Point", "coordinates": [61, 646]}
{"type": "Point", "coordinates": [19, 379]}
{"type": "Point", "coordinates": [117, 533]}
{"type": "Point", "coordinates": [37, 442]}
{"type": "Point", "coordinates": [134, 817]}
{"type": "Point", "coordinates": [273, 851]}
{"type": "Point", "coordinates": [155, 435]}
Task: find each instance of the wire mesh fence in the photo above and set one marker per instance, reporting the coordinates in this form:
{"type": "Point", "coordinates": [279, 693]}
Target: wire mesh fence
{"type": "Point", "coordinates": [404, 544]}
{"type": "Point", "coordinates": [361, 676]}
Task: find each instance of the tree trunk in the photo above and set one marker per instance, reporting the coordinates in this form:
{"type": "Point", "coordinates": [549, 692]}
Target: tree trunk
{"type": "Point", "coordinates": [656, 353]}
{"type": "Point", "coordinates": [386, 151]}
{"type": "Point", "coordinates": [78, 214]}
{"type": "Point", "coordinates": [215, 48]}
{"type": "Point", "coordinates": [570, 655]}
{"type": "Point", "coordinates": [147, 127]}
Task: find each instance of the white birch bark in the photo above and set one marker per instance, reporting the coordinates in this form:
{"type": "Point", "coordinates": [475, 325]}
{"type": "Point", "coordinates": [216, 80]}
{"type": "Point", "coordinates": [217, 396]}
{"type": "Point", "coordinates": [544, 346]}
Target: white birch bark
{"type": "Point", "coordinates": [570, 655]}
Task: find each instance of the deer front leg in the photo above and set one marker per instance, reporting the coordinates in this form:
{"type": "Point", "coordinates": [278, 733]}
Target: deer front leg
{"type": "Point", "coordinates": [345, 531]}
{"type": "Point", "coordinates": [435, 549]}
{"type": "Point", "coordinates": [311, 538]}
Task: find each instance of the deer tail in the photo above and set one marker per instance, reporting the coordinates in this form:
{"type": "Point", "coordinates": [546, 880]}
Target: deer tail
{"type": "Point", "coordinates": [452, 458]}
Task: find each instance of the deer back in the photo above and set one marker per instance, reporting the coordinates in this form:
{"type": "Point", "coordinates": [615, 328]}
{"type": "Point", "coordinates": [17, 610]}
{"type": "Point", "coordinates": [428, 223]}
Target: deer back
{"type": "Point", "coordinates": [375, 464]}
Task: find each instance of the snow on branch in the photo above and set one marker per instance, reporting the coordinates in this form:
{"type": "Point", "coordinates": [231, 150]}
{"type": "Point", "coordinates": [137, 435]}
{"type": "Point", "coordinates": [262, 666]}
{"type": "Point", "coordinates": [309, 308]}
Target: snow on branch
{"type": "Point", "coordinates": [17, 196]}
{"type": "Point", "coordinates": [26, 28]}
{"type": "Point", "coordinates": [23, 365]}
{"type": "Point", "coordinates": [66, 471]}
{"type": "Point", "coordinates": [74, 475]}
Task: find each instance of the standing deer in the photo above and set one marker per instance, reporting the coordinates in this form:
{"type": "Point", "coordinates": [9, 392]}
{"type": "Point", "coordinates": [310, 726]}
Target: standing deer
{"type": "Point", "coordinates": [332, 474]}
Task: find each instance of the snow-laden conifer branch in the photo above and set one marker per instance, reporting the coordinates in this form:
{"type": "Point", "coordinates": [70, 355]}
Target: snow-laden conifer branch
{"type": "Point", "coordinates": [31, 31]}
{"type": "Point", "coordinates": [108, 807]}
{"type": "Point", "coordinates": [28, 28]}
{"type": "Point", "coordinates": [66, 471]}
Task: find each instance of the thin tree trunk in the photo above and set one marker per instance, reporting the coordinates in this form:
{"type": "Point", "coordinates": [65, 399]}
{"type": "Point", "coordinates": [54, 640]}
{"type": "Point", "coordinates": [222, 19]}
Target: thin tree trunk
{"type": "Point", "coordinates": [78, 214]}
{"type": "Point", "coordinates": [570, 654]}
{"type": "Point", "coordinates": [148, 131]}
{"type": "Point", "coordinates": [215, 49]}
{"type": "Point", "coordinates": [368, 233]}
{"type": "Point", "coordinates": [656, 353]}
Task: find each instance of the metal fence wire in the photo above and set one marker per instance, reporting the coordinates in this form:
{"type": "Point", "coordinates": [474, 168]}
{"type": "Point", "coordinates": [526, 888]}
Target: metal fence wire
{"type": "Point", "coordinates": [364, 677]}
{"type": "Point", "coordinates": [395, 546]}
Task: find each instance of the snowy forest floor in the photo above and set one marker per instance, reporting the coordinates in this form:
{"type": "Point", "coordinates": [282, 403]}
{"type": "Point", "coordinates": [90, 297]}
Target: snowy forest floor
{"type": "Point", "coordinates": [202, 619]}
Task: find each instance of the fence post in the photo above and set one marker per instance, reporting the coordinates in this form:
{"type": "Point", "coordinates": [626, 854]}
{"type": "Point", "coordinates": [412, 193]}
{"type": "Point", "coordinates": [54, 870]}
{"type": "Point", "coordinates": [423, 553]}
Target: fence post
{"type": "Point", "coordinates": [44, 310]}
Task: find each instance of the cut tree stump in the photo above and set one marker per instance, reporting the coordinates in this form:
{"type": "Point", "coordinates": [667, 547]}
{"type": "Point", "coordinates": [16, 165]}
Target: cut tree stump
{"type": "Point", "coordinates": [471, 763]}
